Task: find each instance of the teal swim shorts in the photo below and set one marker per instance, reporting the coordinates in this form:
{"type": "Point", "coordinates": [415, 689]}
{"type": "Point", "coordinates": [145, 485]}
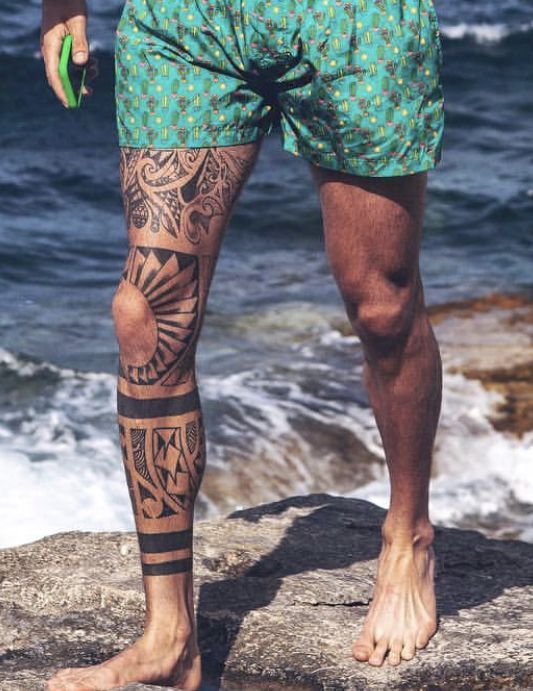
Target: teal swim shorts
{"type": "Point", "coordinates": [353, 84]}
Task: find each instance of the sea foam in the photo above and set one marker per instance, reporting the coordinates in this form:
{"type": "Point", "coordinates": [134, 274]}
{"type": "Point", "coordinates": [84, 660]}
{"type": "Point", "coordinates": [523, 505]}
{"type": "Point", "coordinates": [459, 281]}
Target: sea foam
{"type": "Point", "coordinates": [277, 423]}
{"type": "Point", "coordinates": [484, 32]}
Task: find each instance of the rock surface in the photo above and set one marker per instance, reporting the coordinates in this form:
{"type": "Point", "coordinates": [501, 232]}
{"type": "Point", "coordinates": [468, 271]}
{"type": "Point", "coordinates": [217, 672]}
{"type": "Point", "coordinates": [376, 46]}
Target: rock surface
{"type": "Point", "coordinates": [282, 590]}
{"type": "Point", "coordinates": [490, 338]}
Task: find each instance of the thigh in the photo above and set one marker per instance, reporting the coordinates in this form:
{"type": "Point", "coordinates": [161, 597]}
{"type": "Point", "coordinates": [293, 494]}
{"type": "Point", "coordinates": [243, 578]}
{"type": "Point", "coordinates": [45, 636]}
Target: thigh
{"type": "Point", "coordinates": [182, 76]}
{"type": "Point", "coordinates": [372, 230]}
{"type": "Point", "coordinates": [375, 104]}
{"type": "Point", "coordinates": [184, 196]}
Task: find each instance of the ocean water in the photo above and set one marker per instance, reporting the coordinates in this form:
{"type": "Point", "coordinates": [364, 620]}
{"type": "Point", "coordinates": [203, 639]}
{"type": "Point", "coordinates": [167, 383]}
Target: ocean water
{"type": "Point", "coordinates": [280, 384]}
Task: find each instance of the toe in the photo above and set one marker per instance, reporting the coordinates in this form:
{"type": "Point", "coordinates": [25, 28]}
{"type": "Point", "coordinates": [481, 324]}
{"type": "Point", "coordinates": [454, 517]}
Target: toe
{"type": "Point", "coordinates": [379, 652]}
{"type": "Point", "coordinates": [409, 649]}
{"type": "Point", "coordinates": [424, 635]}
{"type": "Point", "coordinates": [421, 641]}
{"type": "Point", "coordinates": [363, 647]}
{"type": "Point", "coordinates": [394, 656]}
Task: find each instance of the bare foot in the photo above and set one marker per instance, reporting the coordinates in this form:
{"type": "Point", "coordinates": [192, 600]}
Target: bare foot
{"type": "Point", "coordinates": [150, 660]}
{"type": "Point", "coordinates": [403, 613]}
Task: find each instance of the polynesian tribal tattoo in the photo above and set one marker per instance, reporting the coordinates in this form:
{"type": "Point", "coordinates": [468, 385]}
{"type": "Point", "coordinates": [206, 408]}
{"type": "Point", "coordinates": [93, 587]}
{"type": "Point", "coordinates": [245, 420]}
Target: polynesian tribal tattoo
{"type": "Point", "coordinates": [164, 467]}
{"type": "Point", "coordinates": [180, 190]}
{"type": "Point", "coordinates": [179, 194]}
{"type": "Point", "coordinates": [159, 310]}
{"type": "Point", "coordinates": [168, 282]}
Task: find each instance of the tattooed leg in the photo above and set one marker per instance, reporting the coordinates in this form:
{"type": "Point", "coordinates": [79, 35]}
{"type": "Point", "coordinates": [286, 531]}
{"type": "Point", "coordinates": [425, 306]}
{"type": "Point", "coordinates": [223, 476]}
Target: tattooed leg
{"type": "Point", "coordinates": [177, 205]}
{"type": "Point", "coordinates": [181, 192]}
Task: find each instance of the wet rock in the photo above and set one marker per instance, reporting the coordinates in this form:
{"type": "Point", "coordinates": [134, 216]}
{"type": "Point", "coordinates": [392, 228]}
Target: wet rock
{"type": "Point", "coordinates": [469, 307]}
{"type": "Point", "coordinates": [490, 339]}
{"type": "Point", "coordinates": [281, 591]}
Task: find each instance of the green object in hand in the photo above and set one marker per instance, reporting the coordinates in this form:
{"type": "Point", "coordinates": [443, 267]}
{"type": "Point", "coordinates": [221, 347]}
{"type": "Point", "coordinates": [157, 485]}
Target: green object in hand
{"type": "Point", "coordinates": [72, 76]}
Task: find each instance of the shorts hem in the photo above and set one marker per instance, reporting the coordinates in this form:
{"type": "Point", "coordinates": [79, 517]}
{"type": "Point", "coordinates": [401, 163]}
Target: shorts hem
{"type": "Point", "coordinates": [394, 167]}
{"type": "Point", "coordinates": [162, 139]}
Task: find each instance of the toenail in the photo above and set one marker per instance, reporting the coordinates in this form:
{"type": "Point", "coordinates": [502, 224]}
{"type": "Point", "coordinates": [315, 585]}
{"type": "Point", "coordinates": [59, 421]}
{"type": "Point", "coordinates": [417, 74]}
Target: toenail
{"type": "Point", "coordinates": [362, 654]}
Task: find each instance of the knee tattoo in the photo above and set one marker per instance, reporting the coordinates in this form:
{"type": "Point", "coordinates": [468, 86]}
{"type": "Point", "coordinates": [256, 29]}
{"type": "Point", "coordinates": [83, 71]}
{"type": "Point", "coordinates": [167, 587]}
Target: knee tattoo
{"type": "Point", "coordinates": [156, 314]}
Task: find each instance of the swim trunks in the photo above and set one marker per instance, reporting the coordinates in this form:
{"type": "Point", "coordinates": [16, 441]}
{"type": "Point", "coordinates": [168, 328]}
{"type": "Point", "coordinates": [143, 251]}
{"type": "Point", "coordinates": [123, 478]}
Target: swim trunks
{"type": "Point", "coordinates": [353, 84]}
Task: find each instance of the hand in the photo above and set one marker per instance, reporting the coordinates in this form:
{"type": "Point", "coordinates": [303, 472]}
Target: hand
{"type": "Point", "coordinates": [61, 17]}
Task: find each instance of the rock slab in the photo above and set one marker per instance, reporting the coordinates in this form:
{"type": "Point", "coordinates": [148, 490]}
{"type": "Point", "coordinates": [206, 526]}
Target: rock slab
{"type": "Point", "coordinates": [281, 592]}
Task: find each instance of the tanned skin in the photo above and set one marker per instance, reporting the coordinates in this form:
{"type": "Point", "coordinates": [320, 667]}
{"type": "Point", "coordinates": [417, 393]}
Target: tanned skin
{"type": "Point", "coordinates": [373, 230]}
{"type": "Point", "coordinates": [177, 205]}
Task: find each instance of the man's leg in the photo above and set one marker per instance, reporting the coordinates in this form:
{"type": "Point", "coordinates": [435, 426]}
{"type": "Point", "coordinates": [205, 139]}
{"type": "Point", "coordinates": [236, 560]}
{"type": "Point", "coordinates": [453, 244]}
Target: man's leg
{"type": "Point", "coordinates": [177, 206]}
{"type": "Point", "coordinates": [373, 228]}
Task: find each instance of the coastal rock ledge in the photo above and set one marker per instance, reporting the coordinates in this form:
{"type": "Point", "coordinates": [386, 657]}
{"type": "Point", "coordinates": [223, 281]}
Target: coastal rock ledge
{"type": "Point", "coordinates": [282, 590]}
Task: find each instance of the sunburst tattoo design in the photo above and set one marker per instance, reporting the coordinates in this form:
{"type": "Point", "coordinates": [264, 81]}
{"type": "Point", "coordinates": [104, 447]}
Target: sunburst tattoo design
{"type": "Point", "coordinates": [168, 283]}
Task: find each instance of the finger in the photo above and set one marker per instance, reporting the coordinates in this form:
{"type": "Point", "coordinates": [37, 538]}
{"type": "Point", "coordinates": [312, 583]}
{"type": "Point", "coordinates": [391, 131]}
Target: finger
{"type": "Point", "coordinates": [51, 51]}
{"type": "Point", "coordinates": [77, 26]}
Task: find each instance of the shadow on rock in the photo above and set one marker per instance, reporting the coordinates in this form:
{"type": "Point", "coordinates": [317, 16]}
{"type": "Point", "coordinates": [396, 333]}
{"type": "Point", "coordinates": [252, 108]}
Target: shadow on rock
{"type": "Point", "coordinates": [335, 533]}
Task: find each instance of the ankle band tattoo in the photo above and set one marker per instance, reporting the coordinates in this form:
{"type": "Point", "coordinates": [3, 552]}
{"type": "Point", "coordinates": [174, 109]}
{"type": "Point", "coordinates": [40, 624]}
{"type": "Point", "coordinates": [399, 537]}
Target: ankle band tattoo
{"type": "Point", "coordinates": [160, 552]}
{"type": "Point", "coordinates": [167, 568]}
{"type": "Point", "coordinates": [156, 543]}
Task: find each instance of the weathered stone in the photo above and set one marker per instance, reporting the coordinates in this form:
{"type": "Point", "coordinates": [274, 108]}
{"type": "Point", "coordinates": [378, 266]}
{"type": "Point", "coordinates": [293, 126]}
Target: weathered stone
{"type": "Point", "coordinates": [282, 590]}
{"type": "Point", "coordinates": [490, 338]}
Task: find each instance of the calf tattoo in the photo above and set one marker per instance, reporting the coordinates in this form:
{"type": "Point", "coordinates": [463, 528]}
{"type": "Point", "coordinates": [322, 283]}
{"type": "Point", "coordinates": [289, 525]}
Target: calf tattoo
{"type": "Point", "coordinates": [164, 467]}
{"type": "Point", "coordinates": [180, 190]}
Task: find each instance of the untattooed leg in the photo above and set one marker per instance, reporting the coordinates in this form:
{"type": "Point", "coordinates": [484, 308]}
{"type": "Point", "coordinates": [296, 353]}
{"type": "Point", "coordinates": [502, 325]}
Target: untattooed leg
{"type": "Point", "coordinates": [177, 205]}
{"type": "Point", "coordinates": [372, 230]}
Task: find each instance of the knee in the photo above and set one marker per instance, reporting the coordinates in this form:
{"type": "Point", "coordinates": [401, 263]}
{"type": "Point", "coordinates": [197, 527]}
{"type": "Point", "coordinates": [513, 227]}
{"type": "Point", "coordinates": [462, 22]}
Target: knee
{"type": "Point", "coordinates": [133, 318]}
{"type": "Point", "coordinates": [383, 323]}
{"type": "Point", "coordinates": [157, 315]}
{"type": "Point", "coordinates": [155, 347]}
{"type": "Point", "coordinates": [381, 315]}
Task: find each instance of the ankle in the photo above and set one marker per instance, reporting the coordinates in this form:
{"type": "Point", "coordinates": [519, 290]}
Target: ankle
{"type": "Point", "coordinates": [398, 534]}
{"type": "Point", "coordinates": [168, 634]}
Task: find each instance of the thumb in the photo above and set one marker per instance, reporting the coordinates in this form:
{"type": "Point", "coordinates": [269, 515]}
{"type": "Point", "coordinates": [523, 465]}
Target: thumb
{"type": "Point", "coordinates": [80, 47]}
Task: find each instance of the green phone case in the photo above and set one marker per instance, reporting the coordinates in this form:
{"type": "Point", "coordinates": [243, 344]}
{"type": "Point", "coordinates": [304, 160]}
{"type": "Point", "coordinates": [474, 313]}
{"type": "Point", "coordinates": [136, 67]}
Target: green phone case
{"type": "Point", "coordinates": [73, 99]}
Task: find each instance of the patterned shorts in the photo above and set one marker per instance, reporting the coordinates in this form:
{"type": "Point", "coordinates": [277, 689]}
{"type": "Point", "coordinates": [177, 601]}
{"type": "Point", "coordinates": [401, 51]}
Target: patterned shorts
{"type": "Point", "coordinates": [353, 84]}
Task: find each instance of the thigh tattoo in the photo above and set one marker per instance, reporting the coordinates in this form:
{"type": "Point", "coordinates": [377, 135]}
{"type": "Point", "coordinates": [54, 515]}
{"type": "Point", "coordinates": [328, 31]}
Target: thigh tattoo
{"type": "Point", "coordinates": [179, 191]}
